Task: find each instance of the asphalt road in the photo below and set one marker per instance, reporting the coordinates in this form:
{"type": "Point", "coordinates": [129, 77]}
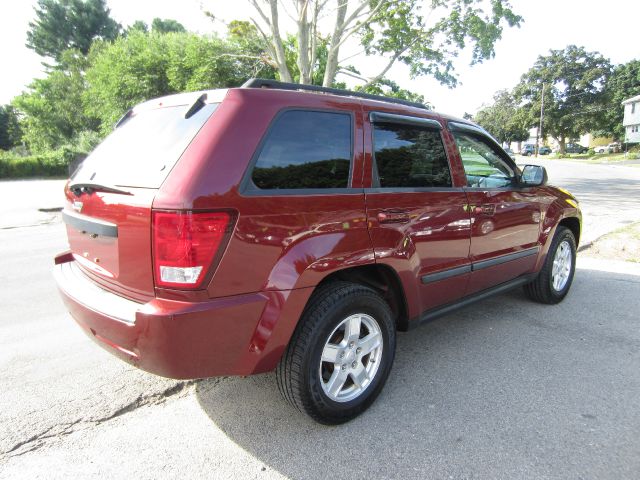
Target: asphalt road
{"type": "Point", "coordinates": [503, 389]}
{"type": "Point", "coordinates": [608, 194]}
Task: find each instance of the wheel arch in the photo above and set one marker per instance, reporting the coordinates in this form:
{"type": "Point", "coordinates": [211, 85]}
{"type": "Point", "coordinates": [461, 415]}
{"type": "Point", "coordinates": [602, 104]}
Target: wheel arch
{"type": "Point", "coordinates": [384, 280]}
{"type": "Point", "coordinates": [573, 224]}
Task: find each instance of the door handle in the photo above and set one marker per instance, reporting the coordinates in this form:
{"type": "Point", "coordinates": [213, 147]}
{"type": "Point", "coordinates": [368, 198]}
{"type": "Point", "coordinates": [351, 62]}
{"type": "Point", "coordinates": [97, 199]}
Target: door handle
{"type": "Point", "coordinates": [393, 216]}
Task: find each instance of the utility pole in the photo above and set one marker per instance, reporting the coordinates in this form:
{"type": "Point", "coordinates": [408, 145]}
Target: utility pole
{"type": "Point", "coordinates": [540, 132]}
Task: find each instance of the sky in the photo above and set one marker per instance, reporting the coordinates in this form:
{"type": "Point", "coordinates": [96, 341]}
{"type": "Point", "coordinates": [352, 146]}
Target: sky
{"type": "Point", "coordinates": [610, 28]}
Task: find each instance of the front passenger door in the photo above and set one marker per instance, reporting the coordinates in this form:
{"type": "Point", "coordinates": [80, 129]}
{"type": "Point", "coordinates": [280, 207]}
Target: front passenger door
{"type": "Point", "coordinates": [505, 216]}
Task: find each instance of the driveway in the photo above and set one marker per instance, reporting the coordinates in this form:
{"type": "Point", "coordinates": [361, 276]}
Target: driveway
{"type": "Point", "coordinates": [502, 389]}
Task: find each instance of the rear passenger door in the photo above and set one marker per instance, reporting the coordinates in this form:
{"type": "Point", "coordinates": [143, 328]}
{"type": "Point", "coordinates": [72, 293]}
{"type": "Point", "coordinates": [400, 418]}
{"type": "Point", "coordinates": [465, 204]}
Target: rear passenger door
{"type": "Point", "coordinates": [417, 219]}
{"type": "Point", "coordinates": [505, 216]}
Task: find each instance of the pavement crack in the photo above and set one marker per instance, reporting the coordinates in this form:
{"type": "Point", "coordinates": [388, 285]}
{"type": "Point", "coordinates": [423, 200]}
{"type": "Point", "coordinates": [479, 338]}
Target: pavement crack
{"type": "Point", "coordinates": [55, 432]}
{"type": "Point", "coordinates": [142, 400]}
{"type": "Point", "coordinates": [39, 440]}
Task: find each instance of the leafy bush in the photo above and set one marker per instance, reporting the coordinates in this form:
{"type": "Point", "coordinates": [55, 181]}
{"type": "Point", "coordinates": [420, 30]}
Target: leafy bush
{"type": "Point", "coordinates": [49, 164]}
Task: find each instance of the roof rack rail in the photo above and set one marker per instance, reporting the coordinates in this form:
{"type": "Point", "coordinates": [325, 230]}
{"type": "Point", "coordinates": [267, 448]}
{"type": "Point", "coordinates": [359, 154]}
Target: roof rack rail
{"type": "Point", "coordinates": [266, 83]}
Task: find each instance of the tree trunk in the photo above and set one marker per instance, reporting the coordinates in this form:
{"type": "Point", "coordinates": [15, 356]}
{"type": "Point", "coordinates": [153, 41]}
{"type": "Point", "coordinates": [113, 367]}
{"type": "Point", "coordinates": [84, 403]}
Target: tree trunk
{"type": "Point", "coordinates": [563, 144]}
{"type": "Point", "coordinates": [304, 49]}
{"type": "Point", "coordinates": [283, 70]}
{"type": "Point", "coordinates": [334, 48]}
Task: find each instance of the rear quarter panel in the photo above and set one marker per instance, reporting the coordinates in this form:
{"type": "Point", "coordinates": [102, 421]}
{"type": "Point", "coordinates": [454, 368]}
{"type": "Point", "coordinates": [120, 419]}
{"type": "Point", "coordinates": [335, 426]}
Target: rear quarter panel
{"type": "Point", "coordinates": [279, 242]}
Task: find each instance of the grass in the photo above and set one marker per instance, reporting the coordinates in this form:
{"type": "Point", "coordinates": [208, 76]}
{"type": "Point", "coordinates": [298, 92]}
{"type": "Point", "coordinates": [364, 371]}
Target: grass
{"type": "Point", "coordinates": [604, 157]}
{"type": "Point", "coordinates": [622, 244]}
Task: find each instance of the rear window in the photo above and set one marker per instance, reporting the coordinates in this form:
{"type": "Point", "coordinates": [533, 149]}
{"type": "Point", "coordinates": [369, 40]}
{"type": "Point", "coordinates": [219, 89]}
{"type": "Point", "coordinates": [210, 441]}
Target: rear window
{"type": "Point", "coordinates": [142, 151]}
{"type": "Point", "coordinates": [305, 149]}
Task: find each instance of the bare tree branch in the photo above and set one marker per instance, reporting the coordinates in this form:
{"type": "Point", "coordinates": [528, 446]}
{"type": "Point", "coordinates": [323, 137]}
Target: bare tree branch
{"type": "Point", "coordinates": [349, 73]}
{"type": "Point", "coordinates": [268, 43]}
{"type": "Point", "coordinates": [390, 63]}
{"type": "Point", "coordinates": [357, 54]}
{"type": "Point", "coordinates": [264, 17]}
{"type": "Point", "coordinates": [347, 33]}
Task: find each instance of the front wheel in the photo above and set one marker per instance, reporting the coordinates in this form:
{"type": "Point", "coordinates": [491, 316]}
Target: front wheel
{"type": "Point", "coordinates": [554, 280]}
{"type": "Point", "coordinates": [340, 355]}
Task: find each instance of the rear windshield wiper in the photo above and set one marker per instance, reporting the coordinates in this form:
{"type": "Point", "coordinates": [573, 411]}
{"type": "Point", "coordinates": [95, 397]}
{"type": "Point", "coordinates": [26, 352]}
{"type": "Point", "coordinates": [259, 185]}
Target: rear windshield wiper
{"type": "Point", "coordinates": [200, 102]}
{"type": "Point", "coordinates": [124, 118]}
{"type": "Point", "coordinates": [80, 188]}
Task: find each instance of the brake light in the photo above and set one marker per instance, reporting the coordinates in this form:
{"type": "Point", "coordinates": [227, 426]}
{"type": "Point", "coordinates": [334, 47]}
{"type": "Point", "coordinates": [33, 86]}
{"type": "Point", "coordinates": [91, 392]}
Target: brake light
{"type": "Point", "coordinates": [185, 245]}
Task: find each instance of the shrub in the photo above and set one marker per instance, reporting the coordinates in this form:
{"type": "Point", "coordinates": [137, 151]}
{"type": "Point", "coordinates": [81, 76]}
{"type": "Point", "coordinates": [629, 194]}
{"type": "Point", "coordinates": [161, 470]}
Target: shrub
{"type": "Point", "coordinates": [49, 164]}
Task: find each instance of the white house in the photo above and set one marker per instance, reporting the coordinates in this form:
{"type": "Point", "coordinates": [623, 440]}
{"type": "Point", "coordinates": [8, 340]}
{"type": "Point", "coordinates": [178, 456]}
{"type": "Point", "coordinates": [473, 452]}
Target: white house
{"type": "Point", "coordinates": [631, 120]}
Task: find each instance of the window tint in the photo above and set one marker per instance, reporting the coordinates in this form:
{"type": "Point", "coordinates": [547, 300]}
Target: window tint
{"type": "Point", "coordinates": [410, 156]}
{"type": "Point", "coordinates": [142, 151]}
{"type": "Point", "coordinates": [482, 164]}
{"type": "Point", "coordinates": [306, 150]}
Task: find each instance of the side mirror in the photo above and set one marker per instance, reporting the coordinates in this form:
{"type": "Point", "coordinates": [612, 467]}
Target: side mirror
{"type": "Point", "coordinates": [533, 176]}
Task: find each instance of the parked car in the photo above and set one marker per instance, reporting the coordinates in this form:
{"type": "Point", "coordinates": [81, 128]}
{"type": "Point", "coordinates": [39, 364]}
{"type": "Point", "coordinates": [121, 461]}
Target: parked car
{"type": "Point", "coordinates": [575, 148]}
{"type": "Point", "coordinates": [269, 227]}
{"type": "Point", "coordinates": [510, 153]}
{"type": "Point", "coordinates": [544, 150]}
{"type": "Point", "coordinates": [528, 149]}
{"type": "Point", "coordinates": [614, 147]}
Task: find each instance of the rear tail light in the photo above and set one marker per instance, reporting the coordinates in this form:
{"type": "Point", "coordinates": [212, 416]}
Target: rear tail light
{"type": "Point", "coordinates": [185, 245]}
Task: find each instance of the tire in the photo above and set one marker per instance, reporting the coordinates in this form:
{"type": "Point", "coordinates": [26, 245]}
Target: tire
{"type": "Point", "coordinates": [554, 281]}
{"type": "Point", "coordinates": [305, 376]}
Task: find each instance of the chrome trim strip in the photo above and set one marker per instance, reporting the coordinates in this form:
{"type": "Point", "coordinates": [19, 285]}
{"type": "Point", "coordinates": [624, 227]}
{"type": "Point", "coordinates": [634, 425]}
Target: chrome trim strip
{"type": "Point", "coordinates": [89, 224]}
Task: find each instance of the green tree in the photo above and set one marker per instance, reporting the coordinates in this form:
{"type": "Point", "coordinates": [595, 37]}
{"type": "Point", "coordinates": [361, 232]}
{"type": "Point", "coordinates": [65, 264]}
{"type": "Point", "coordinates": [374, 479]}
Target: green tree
{"type": "Point", "coordinates": [574, 99]}
{"type": "Point", "coordinates": [623, 83]}
{"type": "Point", "coordinates": [389, 88]}
{"type": "Point", "coordinates": [426, 36]}
{"type": "Point", "coordinates": [142, 66]}
{"type": "Point", "coordinates": [63, 24]}
{"type": "Point", "coordinates": [53, 108]}
{"type": "Point", "coordinates": [10, 132]}
{"type": "Point", "coordinates": [505, 120]}
{"type": "Point", "coordinates": [137, 26]}
{"type": "Point", "coordinates": [167, 26]}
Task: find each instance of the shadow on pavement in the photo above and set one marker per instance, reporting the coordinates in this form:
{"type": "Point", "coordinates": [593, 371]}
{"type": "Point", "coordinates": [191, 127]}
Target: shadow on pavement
{"type": "Point", "coordinates": [502, 389]}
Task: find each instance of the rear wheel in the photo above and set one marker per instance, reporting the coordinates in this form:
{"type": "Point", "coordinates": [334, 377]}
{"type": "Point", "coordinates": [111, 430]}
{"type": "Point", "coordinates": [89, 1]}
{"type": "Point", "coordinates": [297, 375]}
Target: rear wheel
{"type": "Point", "coordinates": [554, 280]}
{"type": "Point", "coordinates": [340, 355]}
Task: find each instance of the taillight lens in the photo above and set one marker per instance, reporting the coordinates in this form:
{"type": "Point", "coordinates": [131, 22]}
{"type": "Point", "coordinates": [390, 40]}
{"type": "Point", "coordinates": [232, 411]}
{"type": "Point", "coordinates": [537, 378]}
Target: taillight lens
{"type": "Point", "coordinates": [185, 245]}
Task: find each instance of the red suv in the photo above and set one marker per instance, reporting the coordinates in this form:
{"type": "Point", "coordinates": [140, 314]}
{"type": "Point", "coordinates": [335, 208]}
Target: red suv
{"type": "Point", "coordinates": [297, 228]}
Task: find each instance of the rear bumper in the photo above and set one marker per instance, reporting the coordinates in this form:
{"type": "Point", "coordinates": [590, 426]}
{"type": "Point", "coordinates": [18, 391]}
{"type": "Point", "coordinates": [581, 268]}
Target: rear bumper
{"type": "Point", "coordinates": [238, 335]}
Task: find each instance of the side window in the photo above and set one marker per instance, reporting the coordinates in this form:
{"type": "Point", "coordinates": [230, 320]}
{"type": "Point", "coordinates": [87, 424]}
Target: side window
{"type": "Point", "coordinates": [482, 164]}
{"type": "Point", "coordinates": [306, 149]}
{"type": "Point", "coordinates": [410, 156]}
